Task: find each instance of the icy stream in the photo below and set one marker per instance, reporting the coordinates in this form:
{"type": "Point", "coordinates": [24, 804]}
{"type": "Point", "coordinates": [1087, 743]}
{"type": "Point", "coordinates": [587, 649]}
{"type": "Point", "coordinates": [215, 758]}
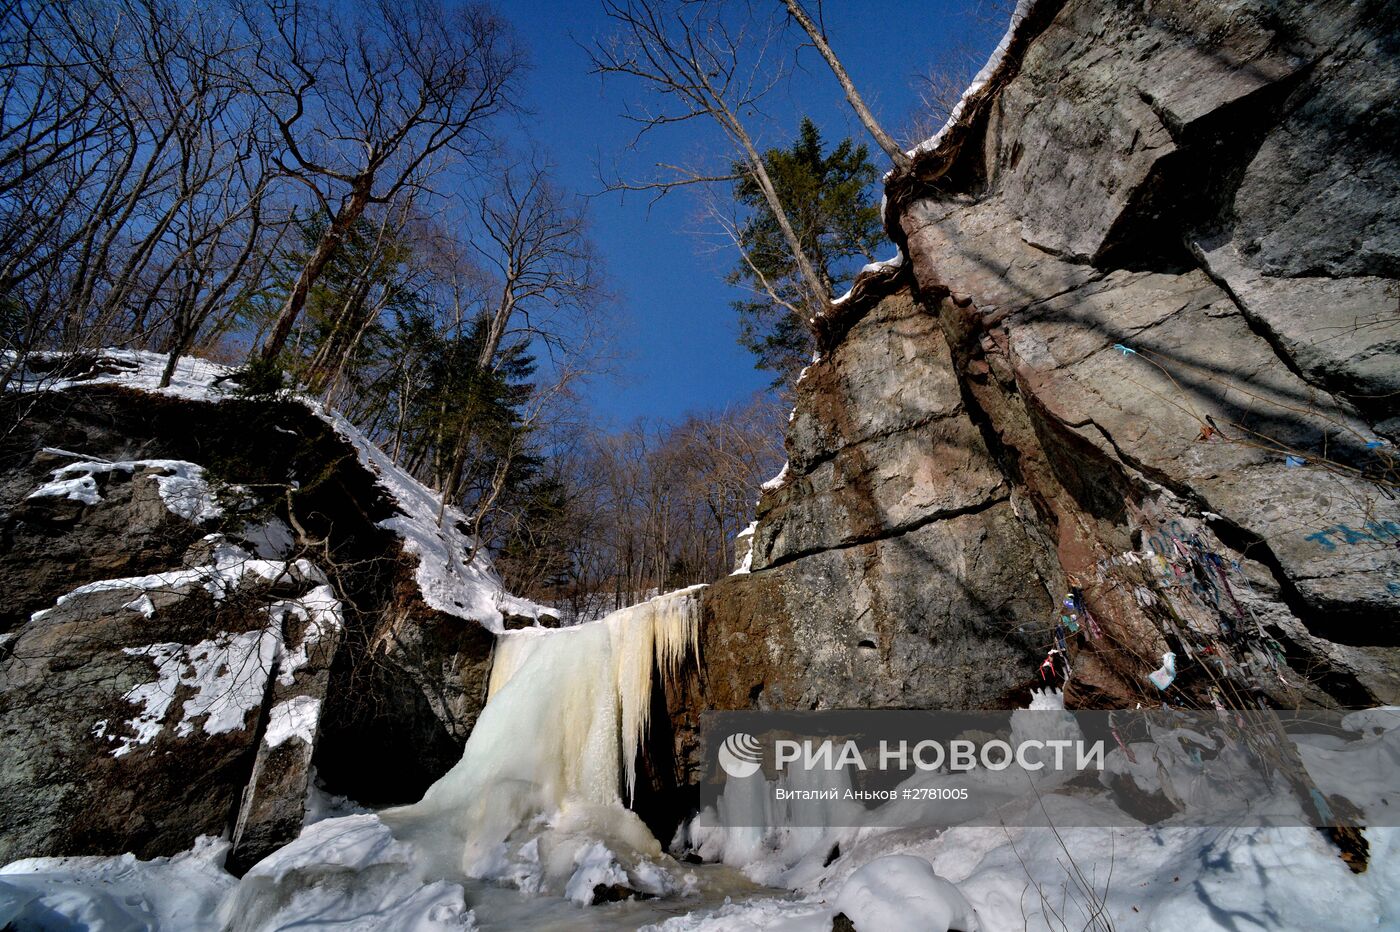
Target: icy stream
{"type": "Point", "coordinates": [501, 909]}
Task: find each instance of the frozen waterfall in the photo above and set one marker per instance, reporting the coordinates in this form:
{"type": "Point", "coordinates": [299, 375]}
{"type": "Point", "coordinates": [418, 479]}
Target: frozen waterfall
{"type": "Point", "coordinates": [540, 779]}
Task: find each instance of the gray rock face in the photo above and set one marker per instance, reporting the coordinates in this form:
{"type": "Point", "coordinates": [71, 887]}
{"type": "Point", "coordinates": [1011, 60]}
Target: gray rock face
{"type": "Point", "coordinates": [130, 706]}
{"type": "Point", "coordinates": [175, 660]}
{"type": "Point", "coordinates": [56, 539]}
{"type": "Point", "coordinates": [889, 568]}
{"type": "Point", "coordinates": [879, 443]}
{"type": "Point", "coordinates": [1148, 358]}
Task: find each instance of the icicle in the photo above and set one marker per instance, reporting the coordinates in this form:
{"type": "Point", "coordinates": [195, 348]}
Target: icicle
{"type": "Point", "coordinates": [654, 635]}
{"type": "Point", "coordinates": [657, 634]}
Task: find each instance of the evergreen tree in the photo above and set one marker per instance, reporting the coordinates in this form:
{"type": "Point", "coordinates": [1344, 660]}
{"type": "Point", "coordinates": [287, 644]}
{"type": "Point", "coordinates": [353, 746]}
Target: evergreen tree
{"type": "Point", "coordinates": [828, 199]}
{"type": "Point", "coordinates": [462, 427]}
{"type": "Point", "coordinates": [341, 332]}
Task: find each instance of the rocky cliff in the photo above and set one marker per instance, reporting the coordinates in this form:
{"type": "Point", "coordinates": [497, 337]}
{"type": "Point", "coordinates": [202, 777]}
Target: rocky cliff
{"type": "Point", "coordinates": [1122, 420]}
{"type": "Point", "coordinates": [210, 601]}
{"type": "Point", "coordinates": [1131, 393]}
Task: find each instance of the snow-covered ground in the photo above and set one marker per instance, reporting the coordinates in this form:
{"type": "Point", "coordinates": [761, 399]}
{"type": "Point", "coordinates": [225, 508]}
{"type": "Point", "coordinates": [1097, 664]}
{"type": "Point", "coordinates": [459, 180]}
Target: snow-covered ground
{"type": "Point", "coordinates": [449, 584]}
{"type": "Point", "coordinates": [118, 894]}
{"type": "Point", "coordinates": [393, 870]}
{"type": "Point", "coordinates": [1162, 879]}
{"type": "Point", "coordinates": [1247, 870]}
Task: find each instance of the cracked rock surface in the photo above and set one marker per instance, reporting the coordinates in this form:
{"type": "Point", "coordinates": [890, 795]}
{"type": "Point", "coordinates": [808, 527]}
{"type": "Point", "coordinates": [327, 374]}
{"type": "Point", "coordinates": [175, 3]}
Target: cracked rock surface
{"type": "Point", "coordinates": [1148, 350]}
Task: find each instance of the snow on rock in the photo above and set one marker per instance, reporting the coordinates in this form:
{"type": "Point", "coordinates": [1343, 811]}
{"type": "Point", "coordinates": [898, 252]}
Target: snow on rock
{"type": "Point", "coordinates": [184, 490]}
{"type": "Point", "coordinates": [226, 675]}
{"type": "Point", "coordinates": [296, 717]}
{"type": "Point", "coordinates": [345, 873]}
{"type": "Point", "coordinates": [348, 873]}
{"type": "Point", "coordinates": [352, 843]}
{"type": "Point", "coordinates": [468, 590]}
{"type": "Point", "coordinates": [872, 268]}
{"type": "Point", "coordinates": [744, 539]}
{"type": "Point", "coordinates": [79, 488]}
{"type": "Point", "coordinates": [594, 866]}
{"type": "Point", "coordinates": [901, 893]}
{"type": "Point", "coordinates": [321, 611]}
{"type": "Point", "coordinates": [995, 62]}
{"type": "Point", "coordinates": [181, 484]}
{"type": "Point", "coordinates": [321, 805]}
{"type": "Point", "coordinates": [229, 566]}
{"type": "Point", "coordinates": [447, 581]}
{"type": "Point", "coordinates": [193, 379]}
{"type": "Point", "coordinates": [118, 894]}
{"type": "Point", "coordinates": [777, 481]}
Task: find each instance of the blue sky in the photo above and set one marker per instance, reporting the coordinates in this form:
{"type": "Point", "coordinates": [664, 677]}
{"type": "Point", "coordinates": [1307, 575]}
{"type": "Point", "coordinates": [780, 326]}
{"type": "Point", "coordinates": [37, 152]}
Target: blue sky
{"type": "Point", "coordinates": [676, 331]}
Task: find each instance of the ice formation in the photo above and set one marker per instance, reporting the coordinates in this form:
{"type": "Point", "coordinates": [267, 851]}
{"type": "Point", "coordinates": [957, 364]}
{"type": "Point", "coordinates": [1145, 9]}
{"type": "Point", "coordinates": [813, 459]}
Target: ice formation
{"type": "Point", "coordinates": [345, 873]}
{"type": "Point", "coordinates": [657, 634]}
{"type": "Point", "coordinates": [566, 713]}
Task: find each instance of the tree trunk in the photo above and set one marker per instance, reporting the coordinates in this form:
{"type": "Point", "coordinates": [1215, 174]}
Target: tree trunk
{"type": "Point", "coordinates": [180, 343]}
{"type": "Point", "coordinates": [819, 297]}
{"type": "Point", "coordinates": [892, 149]}
{"type": "Point", "coordinates": [497, 330]}
{"type": "Point", "coordinates": [351, 210]}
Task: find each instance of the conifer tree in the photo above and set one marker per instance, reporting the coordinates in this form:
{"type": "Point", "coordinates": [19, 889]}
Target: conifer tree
{"type": "Point", "coordinates": [828, 200]}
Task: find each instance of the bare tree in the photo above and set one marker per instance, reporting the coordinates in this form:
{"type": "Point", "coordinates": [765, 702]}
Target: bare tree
{"type": "Point", "coordinates": [131, 192]}
{"type": "Point", "coordinates": [940, 86]}
{"type": "Point", "coordinates": [535, 239]}
{"type": "Point", "coordinates": [689, 55]}
{"type": "Point", "coordinates": [655, 506]}
{"type": "Point", "coordinates": [534, 242]}
{"type": "Point", "coordinates": [373, 286]}
{"type": "Point", "coordinates": [369, 100]}
{"type": "Point", "coordinates": [939, 89]}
